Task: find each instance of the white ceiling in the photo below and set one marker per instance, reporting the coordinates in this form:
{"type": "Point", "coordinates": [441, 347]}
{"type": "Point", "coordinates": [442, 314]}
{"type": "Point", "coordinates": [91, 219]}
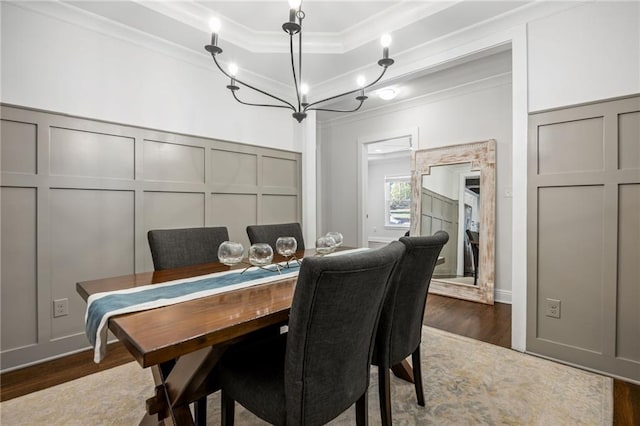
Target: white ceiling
{"type": "Point", "coordinates": [340, 38]}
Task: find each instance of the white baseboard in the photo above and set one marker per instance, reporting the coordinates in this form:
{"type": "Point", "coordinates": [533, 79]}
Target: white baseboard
{"type": "Point", "coordinates": [503, 296]}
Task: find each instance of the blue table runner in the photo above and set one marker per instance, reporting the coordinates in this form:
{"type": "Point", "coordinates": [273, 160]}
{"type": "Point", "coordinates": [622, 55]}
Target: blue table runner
{"type": "Point", "coordinates": [102, 306]}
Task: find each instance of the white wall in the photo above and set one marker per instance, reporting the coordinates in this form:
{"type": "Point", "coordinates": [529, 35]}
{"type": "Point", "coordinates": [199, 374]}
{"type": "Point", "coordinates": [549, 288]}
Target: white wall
{"type": "Point", "coordinates": [479, 112]}
{"type": "Point", "coordinates": [96, 70]}
{"type": "Point", "coordinates": [378, 170]}
{"type": "Point", "coordinates": [445, 180]}
{"type": "Point", "coordinates": [583, 54]}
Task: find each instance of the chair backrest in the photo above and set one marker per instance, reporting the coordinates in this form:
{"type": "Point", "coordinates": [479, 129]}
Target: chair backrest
{"type": "Point", "coordinates": [173, 248]}
{"type": "Point", "coordinates": [334, 315]}
{"type": "Point", "coordinates": [400, 328]}
{"type": "Point", "coordinates": [270, 233]}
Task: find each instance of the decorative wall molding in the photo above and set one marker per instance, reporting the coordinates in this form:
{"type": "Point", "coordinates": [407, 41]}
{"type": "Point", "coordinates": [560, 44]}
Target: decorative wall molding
{"type": "Point", "coordinates": [79, 195]}
{"type": "Point", "coordinates": [582, 235]}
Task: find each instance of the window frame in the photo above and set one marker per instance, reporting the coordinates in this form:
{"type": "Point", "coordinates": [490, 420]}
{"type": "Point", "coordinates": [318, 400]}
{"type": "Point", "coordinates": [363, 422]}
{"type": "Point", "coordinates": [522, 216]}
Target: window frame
{"type": "Point", "coordinates": [387, 200]}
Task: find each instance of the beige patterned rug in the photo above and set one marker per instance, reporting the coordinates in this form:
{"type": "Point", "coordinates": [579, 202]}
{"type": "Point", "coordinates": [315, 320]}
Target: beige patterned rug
{"type": "Point", "coordinates": [466, 382]}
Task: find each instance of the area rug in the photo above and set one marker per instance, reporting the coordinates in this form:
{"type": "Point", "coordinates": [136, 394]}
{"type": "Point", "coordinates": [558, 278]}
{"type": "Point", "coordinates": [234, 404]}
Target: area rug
{"type": "Point", "coordinates": [465, 382]}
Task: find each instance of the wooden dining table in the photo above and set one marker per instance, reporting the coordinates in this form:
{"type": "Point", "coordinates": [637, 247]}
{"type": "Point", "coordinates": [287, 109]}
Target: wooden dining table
{"type": "Point", "coordinates": [182, 343]}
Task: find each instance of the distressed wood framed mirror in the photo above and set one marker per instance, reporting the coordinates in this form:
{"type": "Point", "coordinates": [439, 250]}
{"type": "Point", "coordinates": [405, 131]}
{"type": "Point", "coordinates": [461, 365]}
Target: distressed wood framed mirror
{"type": "Point", "coordinates": [453, 189]}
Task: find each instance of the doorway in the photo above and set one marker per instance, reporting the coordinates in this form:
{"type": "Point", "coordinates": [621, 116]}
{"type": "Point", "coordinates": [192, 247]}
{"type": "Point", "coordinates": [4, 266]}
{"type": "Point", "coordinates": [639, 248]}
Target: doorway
{"type": "Point", "coordinates": [385, 187]}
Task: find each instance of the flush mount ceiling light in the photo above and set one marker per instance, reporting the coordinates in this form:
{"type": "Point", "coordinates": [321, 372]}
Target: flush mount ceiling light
{"type": "Point", "coordinates": [387, 93]}
{"type": "Point", "coordinates": [301, 105]}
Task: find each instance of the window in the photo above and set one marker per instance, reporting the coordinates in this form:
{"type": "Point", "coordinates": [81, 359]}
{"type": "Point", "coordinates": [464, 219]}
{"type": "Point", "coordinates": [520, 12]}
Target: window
{"type": "Point", "coordinates": [397, 201]}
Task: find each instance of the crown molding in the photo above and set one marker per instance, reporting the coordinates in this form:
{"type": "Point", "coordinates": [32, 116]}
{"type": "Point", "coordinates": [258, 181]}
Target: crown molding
{"type": "Point", "coordinates": [197, 16]}
{"type": "Point", "coordinates": [497, 80]}
{"type": "Point", "coordinates": [489, 35]}
{"type": "Point", "coordinates": [430, 54]}
{"type": "Point", "coordinates": [79, 17]}
{"type": "Point", "coordinates": [389, 20]}
{"type": "Point", "coordinates": [393, 18]}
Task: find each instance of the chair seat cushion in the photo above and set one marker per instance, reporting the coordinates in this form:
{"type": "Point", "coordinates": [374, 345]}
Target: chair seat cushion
{"type": "Point", "coordinates": [258, 366]}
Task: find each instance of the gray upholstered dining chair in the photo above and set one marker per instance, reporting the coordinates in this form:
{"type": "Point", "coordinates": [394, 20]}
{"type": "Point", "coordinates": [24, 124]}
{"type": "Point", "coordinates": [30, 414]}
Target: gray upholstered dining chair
{"type": "Point", "coordinates": [173, 248]}
{"type": "Point", "coordinates": [270, 233]}
{"type": "Point", "coordinates": [318, 369]}
{"type": "Point", "coordinates": [400, 328]}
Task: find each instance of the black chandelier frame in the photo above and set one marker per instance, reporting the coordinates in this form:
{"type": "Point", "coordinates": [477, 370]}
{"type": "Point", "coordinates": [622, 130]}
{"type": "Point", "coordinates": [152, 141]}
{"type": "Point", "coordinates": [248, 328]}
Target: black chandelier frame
{"type": "Point", "coordinates": [300, 112]}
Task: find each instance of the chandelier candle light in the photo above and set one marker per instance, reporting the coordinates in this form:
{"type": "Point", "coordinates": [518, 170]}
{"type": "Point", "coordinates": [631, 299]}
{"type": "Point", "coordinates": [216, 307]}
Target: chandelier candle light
{"type": "Point", "coordinates": [293, 27]}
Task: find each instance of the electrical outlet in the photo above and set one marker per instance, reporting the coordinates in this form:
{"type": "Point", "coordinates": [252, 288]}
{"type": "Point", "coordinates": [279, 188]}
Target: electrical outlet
{"type": "Point", "coordinates": [60, 307]}
{"type": "Point", "coordinates": [553, 308]}
{"type": "Point", "coordinates": [508, 192]}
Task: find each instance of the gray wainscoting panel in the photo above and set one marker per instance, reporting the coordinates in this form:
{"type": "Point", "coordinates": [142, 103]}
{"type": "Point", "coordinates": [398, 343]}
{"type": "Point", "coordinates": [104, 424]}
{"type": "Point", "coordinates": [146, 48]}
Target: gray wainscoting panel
{"type": "Point", "coordinates": [280, 172]}
{"type": "Point", "coordinates": [440, 213]}
{"type": "Point", "coordinates": [279, 209]}
{"type": "Point", "coordinates": [19, 250]}
{"type": "Point", "coordinates": [629, 140]}
{"type": "Point", "coordinates": [628, 321]}
{"type": "Point", "coordinates": [163, 210]}
{"type": "Point", "coordinates": [18, 147]}
{"type": "Point", "coordinates": [173, 162]}
{"type": "Point", "coordinates": [85, 153]}
{"type": "Point", "coordinates": [583, 237]}
{"type": "Point", "coordinates": [91, 237]}
{"type": "Point", "coordinates": [236, 212]}
{"type": "Point", "coordinates": [426, 225]}
{"type": "Point", "coordinates": [173, 210]}
{"type": "Point", "coordinates": [558, 143]}
{"type": "Point", "coordinates": [78, 197]}
{"type": "Point", "coordinates": [426, 206]}
{"type": "Point", "coordinates": [570, 269]}
{"type": "Point", "coordinates": [234, 168]}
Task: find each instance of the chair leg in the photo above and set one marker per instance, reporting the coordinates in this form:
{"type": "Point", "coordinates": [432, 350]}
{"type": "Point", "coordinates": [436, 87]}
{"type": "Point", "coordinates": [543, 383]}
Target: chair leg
{"type": "Point", "coordinates": [417, 375]}
{"type": "Point", "coordinates": [384, 393]}
{"type": "Point", "coordinates": [200, 411]}
{"type": "Point", "coordinates": [227, 411]}
{"type": "Point", "coordinates": [362, 408]}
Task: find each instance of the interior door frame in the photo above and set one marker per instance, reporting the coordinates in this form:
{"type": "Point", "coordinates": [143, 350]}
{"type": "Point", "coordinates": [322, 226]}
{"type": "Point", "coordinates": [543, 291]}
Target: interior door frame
{"type": "Point", "coordinates": [363, 174]}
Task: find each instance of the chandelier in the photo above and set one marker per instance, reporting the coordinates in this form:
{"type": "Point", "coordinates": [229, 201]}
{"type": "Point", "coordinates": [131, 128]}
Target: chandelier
{"type": "Point", "coordinates": [301, 105]}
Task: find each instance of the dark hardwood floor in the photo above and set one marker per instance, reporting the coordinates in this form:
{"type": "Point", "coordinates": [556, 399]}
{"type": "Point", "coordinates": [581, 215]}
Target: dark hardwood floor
{"type": "Point", "coordinates": [490, 324]}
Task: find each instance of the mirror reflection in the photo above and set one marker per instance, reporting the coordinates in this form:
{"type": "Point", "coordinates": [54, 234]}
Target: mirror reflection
{"type": "Point", "coordinates": [451, 202]}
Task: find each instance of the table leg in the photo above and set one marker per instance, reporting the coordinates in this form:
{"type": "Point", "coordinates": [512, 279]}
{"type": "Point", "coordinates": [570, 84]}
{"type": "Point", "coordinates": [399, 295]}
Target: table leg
{"type": "Point", "coordinates": [403, 371]}
{"type": "Point", "coordinates": [200, 411]}
{"type": "Point", "coordinates": [181, 385]}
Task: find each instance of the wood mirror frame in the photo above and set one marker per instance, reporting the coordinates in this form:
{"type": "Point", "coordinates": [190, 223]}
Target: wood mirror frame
{"type": "Point", "coordinates": [482, 156]}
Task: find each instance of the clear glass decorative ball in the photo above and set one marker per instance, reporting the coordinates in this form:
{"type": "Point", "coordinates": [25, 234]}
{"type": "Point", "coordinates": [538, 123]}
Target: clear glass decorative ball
{"type": "Point", "coordinates": [230, 253]}
{"type": "Point", "coordinates": [337, 237]}
{"type": "Point", "coordinates": [260, 254]}
{"type": "Point", "coordinates": [286, 246]}
{"type": "Point", "coordinates": [325, 245]}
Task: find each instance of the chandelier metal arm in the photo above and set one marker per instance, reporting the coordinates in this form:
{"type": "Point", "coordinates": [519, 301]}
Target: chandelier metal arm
{"type": "Point", "coordinates": [337, 110]}
{"type": "Point", "coordinates": [233, 92]}
{"type": "Point", "coordinates": [384, 70]}
{"type": "Point", "coordinates": [294, 26]}
{"type": "Point", "coordinates": [287, 104]}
